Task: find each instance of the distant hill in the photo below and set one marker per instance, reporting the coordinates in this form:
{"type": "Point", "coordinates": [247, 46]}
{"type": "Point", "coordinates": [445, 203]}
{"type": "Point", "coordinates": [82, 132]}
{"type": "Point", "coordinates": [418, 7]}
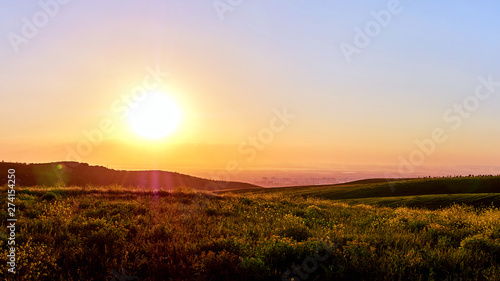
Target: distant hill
{"type": "Point", "coordinates": [395, 187]}
{"type": "Point", "coordinates": [81, 174]}
{"type": "Point", "coordinates": [413, 187]}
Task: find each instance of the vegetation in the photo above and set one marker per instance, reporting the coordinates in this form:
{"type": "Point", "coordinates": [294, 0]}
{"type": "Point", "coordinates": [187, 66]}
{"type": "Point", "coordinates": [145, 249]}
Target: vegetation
{"type": "Point", "coordinates": [376, 188]}
{"type": "Point", "coordinates": [432, 201]}
{"type": "Point", "coordinates": [81, 174]}
{"type": "Point", "coordinates": [118, 233]}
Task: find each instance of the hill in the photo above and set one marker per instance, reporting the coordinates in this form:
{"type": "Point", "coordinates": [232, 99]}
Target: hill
{"type": "Point", "coordinates": [428, 193]}
{"type": "Point", "coordinates": [82, 174]}
{"type": "Point", "coordinates": [432, 202]}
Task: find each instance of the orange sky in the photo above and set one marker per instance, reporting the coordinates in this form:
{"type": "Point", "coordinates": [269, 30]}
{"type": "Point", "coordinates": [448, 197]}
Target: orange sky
{"type": "Point", "coordinates": [266, 86]}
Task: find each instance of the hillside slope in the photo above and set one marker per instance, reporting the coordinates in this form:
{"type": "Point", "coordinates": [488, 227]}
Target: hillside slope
{"type": "Point", "coordinates": [395, 188]}
{"type": "Point", "coordinates": [81, 174]}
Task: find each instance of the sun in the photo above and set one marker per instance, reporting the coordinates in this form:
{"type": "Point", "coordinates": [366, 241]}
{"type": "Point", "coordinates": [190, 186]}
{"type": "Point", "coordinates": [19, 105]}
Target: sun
{"type": "Point", "coordinates": [155, 117]}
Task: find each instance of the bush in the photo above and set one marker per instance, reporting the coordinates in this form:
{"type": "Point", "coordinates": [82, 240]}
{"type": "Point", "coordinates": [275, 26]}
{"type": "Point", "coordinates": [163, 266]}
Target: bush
{"type": "Point", "coordinates": [479, 243]}
{"type": "Point", "coordinates": [161, 232]}
{"type": "Point", "coordinates": [218, 266]}
{"type": "Point", "coordinates": [294, 227]}
{"type": "Point", "coordinates": [255, 268]}
{"type": "Point", "coordinates": [298, 232]}
{"type": "Point", "coordinates": [416, 225]}
{"type": "Point", "coordinates": [225, 244]}
{"type": "Point", "coordinates": [49, 196]}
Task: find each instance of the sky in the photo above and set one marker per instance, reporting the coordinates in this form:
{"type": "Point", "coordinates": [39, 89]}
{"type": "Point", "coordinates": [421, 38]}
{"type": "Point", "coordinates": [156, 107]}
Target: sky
{"type": "Point", "coordinates": [393, 88]}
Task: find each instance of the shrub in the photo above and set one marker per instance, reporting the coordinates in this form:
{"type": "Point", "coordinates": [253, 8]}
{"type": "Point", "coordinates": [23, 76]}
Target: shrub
{"type": "Point", "coordinates": [445, 242]}
{"type": "Point", "coordinates": [36, 262]}
{"type": "Point", "coordinates": [183, 190]}
{"type": "Point", "coordinates": [279, 254]}
{"type": "Point", "coordinates": [416, 225]}
{"type": "Point", "coordinates": [294, 227]}
{"type": "Point", "coordinates": [297, 232]}
{"type": "Point", "coordinates": [315, 212]}
{"type": "Point", "coordinates": [479, 243]}
{"type": "Point", "coordinates": [255, 268]}
{"type": "Point", "coordinates": [246, 201]}
{"type": "Point", "coordinates": [161, 232]}
{"type": "Point", "coordinates": [211, 211]}
{"type": "Point", "coordinates": [49, 196]}
{"type": "Point", "coordinates": [225, 244]}
{"type": "Point", "coordinates": [218, 266]}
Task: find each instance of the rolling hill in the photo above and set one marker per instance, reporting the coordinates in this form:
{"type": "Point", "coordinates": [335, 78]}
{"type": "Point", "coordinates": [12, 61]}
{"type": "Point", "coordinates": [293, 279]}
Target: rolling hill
{"type": "Point", "coordinates": [428, 192]}
{"type": "Point", "coordinates": [81, 174]}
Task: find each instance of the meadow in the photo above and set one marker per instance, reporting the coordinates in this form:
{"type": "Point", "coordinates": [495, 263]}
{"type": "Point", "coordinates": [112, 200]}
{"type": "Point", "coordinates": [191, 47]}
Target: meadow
{"type": "Point", "coordinates": [377, 188]}
{"type": "Point", "coordinates": [116, 233]}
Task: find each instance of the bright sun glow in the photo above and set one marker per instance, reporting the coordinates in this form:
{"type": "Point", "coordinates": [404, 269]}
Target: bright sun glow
{"type": "Point", "coordinates": [155, 117]}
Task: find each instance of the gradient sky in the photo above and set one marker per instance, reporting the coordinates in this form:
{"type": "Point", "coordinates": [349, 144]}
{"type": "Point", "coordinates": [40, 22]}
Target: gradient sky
{"type": "Point", "coordinates": [230, 72]}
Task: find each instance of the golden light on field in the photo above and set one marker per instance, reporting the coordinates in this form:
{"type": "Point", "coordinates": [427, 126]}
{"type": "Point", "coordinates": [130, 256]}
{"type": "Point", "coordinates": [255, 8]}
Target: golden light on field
{"type": "Point", "coordinates": [156, 117]}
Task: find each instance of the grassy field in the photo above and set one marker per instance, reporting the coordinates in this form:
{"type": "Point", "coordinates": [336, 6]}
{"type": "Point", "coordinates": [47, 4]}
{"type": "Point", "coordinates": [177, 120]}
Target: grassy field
{"type": "Point", "coordinates": [475, 191]}
{"type": "Point", "coordinates": [432, 202]}
{"type": "Point", "coordinates": [130, 234]}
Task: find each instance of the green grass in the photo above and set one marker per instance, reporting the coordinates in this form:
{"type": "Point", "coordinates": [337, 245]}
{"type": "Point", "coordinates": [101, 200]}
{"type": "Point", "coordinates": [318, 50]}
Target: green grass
{"type": "Point", "coordinates": [432, 201]}
{"type": "Point", "coordinates": [392, 188]}
{"type": "Point", "coordinates": [96, 233]}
